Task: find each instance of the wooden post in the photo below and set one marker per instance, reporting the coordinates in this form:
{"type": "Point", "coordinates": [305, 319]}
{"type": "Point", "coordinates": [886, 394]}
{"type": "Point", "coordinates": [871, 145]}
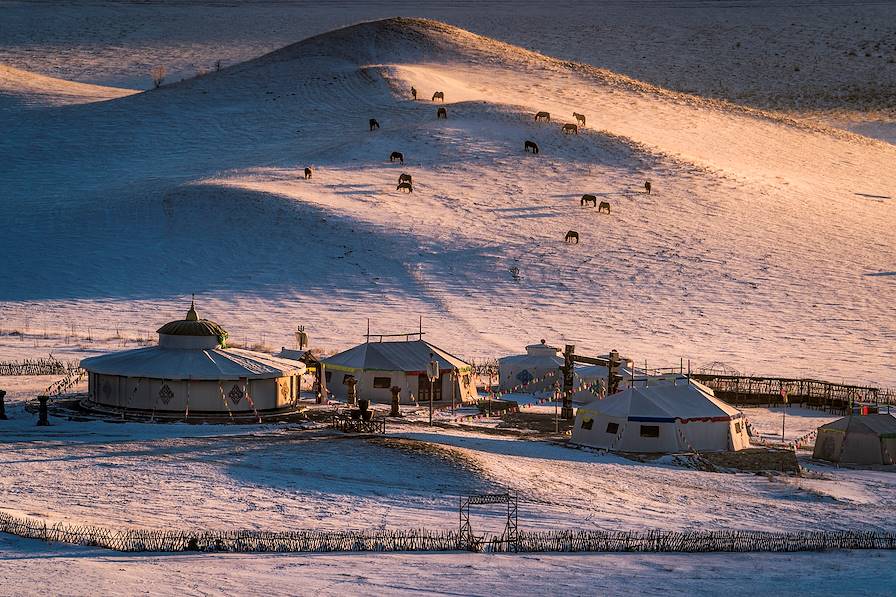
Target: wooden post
{"type": "Point", "coordinates": [351, 395]}
{"type": "Point", "coordinates": [568, 380]}
{"type": "Point", "coordinates": [396, 412]}
{"type": "Point", "coordinates": [42, 419]}
{"type": "Point", "coordinates": [3, 416]}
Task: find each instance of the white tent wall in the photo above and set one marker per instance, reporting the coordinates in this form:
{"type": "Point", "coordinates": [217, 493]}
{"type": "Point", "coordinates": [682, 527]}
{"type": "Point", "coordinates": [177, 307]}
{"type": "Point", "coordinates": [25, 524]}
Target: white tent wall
{"type": "Point", "coordinates": [827, 444]}
{"type": "Point", "coordinates": [861, 447]}
{"type": "Point", "coordinates": [198, 395]}
{"type": "Point", "coordinates": [409, 382]}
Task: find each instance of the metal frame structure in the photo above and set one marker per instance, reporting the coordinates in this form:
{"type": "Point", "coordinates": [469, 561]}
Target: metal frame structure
{"type": "Point", "coordinates": [511, 535]}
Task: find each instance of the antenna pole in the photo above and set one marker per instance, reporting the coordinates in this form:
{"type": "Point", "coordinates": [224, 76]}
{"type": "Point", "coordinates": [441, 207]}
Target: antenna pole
{"type": "Point", "coordinates": [421, 327]}
{"type": "Point", "coordinates": [367, 337]}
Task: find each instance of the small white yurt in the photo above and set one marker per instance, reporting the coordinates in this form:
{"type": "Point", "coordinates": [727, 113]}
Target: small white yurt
{"type": "Point", "coordinates": [672, 415]}
{"type": "Point", "coordinates": [536, 371]}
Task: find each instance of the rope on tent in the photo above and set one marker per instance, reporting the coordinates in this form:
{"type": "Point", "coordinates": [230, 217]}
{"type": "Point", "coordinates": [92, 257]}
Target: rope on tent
{"type": "Point", "coordinates": [249, 399]}
{"type": "Point", "coordinates": [224, 399]}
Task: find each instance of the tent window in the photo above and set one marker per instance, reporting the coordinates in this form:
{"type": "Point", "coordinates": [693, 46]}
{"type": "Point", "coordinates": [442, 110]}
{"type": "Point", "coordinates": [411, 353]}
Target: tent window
{"type": "Point", "coordinates": [329, 375]}
{"type": "Point", "coordinates": [737, 427]}
{"type": "Point", "coordinates": [382, 382]}
{"type": "Point", "coordinates": [613, 428]}
{"type": "Point", "coordinates": [650, 430]}
{"type": "Point", "coordinates": [587, 423]}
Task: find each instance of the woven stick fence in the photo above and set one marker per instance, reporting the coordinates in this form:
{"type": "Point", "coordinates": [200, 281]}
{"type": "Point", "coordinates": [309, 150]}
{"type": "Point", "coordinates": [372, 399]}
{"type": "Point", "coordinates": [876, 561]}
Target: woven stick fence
{"type": "Point", "coordinates": [37, 367]}
{"type": "Point", "coordinates": [422, 540]}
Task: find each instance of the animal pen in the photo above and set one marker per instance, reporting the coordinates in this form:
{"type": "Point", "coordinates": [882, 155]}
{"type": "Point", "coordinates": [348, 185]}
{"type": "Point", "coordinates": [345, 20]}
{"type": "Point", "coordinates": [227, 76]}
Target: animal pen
{"type": "Point", "coordinates": [836, 398]}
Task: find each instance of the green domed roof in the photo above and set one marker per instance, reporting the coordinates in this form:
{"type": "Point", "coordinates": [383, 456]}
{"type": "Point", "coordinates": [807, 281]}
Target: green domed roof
{"type": "Point", "coordinates": [191, 325]}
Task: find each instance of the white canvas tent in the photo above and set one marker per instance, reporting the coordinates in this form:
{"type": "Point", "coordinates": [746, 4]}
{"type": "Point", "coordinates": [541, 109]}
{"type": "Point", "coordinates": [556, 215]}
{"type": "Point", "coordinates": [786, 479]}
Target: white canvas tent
{"type": "Point", "coordinates": [868, 439]}
{"type": "Point", "coordinates": [377, 366]}
{"type": "Point", "coordinates": [537, 370]}
{"type": "Point", "coordinates": [677, 415]}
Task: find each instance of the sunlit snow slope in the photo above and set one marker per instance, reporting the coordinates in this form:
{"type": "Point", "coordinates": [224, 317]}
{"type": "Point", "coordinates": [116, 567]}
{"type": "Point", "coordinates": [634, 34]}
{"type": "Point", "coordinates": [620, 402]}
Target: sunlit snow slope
{"type": "Point", "coordinates": [765, 244]}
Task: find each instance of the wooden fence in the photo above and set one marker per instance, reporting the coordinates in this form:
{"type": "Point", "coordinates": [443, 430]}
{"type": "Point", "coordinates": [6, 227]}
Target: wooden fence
{"type": "Point", "coordinates": [422, 540]}
{"type": "Point", "coordinates": [37, 367]}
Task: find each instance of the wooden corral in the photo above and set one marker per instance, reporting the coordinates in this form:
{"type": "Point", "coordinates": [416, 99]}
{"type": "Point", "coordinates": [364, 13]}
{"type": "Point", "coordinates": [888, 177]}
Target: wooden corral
{"type": "Point", "coordinates": [813, 393]}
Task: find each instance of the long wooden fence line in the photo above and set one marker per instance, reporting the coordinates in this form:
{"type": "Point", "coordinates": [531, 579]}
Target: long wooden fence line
{"type": "Point", "coordinates": [422, 540]}
{"type": "Point", "coordinates": [815, 393]}
{"type": "Point", "coordinates": [37, 367]}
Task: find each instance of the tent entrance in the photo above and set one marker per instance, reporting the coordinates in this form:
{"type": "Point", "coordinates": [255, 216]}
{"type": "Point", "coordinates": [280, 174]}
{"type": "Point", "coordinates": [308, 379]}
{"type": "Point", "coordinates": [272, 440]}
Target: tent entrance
{"type": "Point", "coordinates": [423, 389]}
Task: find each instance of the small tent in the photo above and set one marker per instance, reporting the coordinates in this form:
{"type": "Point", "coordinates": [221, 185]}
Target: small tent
{"type": "Point", "coordinates": [869, 439]}
{"type": "Point", "coordinates": [672, 415]}
{"type": "Point", "coordinates": [378, 366]}
{"type": "Point", "coordinates": [536, 371]}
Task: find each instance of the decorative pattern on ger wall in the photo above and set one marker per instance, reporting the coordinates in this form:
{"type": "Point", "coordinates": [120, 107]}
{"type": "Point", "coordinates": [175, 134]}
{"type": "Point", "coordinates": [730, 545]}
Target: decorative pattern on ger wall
{"type": "Point", "coordinates": [165, 394]}
{"type": "Point", "coordinates": [235, 394]}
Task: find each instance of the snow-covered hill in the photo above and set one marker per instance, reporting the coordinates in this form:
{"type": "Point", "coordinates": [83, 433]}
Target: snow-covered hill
{"type": "Point", "coordinates": [766, 243]}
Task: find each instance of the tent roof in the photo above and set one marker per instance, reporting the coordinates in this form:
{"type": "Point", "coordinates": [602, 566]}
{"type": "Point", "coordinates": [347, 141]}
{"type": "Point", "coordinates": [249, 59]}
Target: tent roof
{"type": "Point", "coordinates": [393, 356]}
{"type": "Point", "coordinates": [191, 325]}
{"type": "Point", "coordinates": [880, 424]}
{"type": "Point", "coordinates": [157, 362]}
{"type": "Point", "coordinates": [665, 401]}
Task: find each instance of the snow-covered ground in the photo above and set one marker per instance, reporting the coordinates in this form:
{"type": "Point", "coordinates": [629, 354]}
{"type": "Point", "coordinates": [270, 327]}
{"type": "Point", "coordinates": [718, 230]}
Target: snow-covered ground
{"type": "Point", "coordinates": [736, 256]}
{"type": "Point", "coordinates": [768, 243]}
{"type": "Point", "coordinates": [279, 477]}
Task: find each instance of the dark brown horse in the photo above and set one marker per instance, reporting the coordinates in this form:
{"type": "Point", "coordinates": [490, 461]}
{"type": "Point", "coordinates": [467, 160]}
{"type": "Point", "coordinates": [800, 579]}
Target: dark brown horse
{"type": "Point", "coordinates": [580, 118]}
{"type": "Point", "coordinates": [570, 128]}
{"type": "Point", "coordinates": [307, 173]}
{"type": "Point", "coordinates": [572, 234]}
{"type": "Point", "coordinates": [647, 186]}
{"type": "Point", "coordinates": [374, 124]}
{"type": "Point", "coordinates": [441, 113]}
{"type": "Point", "coordinates": [543, 116]}
{"type": "Point", "coordinates": [405, 178]}
{"type": "Point", "coordinates": [438, 95]}
{"type": "Point", "coordinates": [396, 155]}
{"type": "Point", "coordinates": [603, 206]}
{"type": "Point", "coordinates": [405, 186]}
{"type": "Point", "coordinates": [531, 145]}
{"type": "Point", "coordinates": [587, 198]}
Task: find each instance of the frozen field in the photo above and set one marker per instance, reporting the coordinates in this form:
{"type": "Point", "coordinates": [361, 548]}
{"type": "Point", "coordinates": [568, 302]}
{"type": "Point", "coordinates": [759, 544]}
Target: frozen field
{"type": "Point", "coordinates": [768, 243]}
{"type": "Point", "coordinates": [736, 257]}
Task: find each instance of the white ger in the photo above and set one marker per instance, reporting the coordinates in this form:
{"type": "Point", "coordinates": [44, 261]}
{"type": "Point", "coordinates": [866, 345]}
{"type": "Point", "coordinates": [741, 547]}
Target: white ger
{"type": "Point", "coordinates": [191, 370]}
{"type": "Point", "coordinates": [664, 416]}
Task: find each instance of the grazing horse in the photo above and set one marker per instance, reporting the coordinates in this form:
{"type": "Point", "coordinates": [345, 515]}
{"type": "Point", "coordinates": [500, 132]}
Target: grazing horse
{"type": "Point", "coordinates": [374, 124]}
{"type": "Point", "coordinates": [572, 234]}
{"type": "Point", "coordinates": [586, 199]}
{"type": "Point", "coordinates": [414, 92]}
{"type": "Point", "coordinates": [580, 118]}
{"type": "Point", "coordinates": [438, 95]}
{"type": "Point", "coordinates": [307, 173]}
{"type": "Point", "coordinates": [442, 113]}
{"type": "Point", "coordinates": [397, 155]}
{"type": "Point", "coordinates": [570, 128]}
{"type": "Point", "coordinates": [531, 145]}
{"type": "Point", "coordinates": [647, 186]}
{"type": "Point", "coordinates": [543, 115]}
{"type": "Point", "coordinates": [405, 185]}
{"type": "Point", "coordinates": [405, 178]}
{"type": "Point", "coordinates": [603, 205]}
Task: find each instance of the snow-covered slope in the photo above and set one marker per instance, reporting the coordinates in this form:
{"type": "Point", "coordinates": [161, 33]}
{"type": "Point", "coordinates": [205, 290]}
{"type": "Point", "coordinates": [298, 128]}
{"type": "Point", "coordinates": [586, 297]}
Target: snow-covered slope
{"type": "Point", "coordinates": [19, 88]}
{"type": "Point", "coordinates": [766, 243]}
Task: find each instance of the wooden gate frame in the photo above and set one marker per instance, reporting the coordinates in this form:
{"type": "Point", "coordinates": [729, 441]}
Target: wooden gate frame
{"type": "Point", "coordinates": [511, 534]}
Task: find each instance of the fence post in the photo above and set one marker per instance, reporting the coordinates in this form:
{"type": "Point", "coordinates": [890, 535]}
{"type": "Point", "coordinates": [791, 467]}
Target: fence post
{"type": "Point", "coordinates": [3, 416]}
{"type": "Point", "coordinates": [42, 419]}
